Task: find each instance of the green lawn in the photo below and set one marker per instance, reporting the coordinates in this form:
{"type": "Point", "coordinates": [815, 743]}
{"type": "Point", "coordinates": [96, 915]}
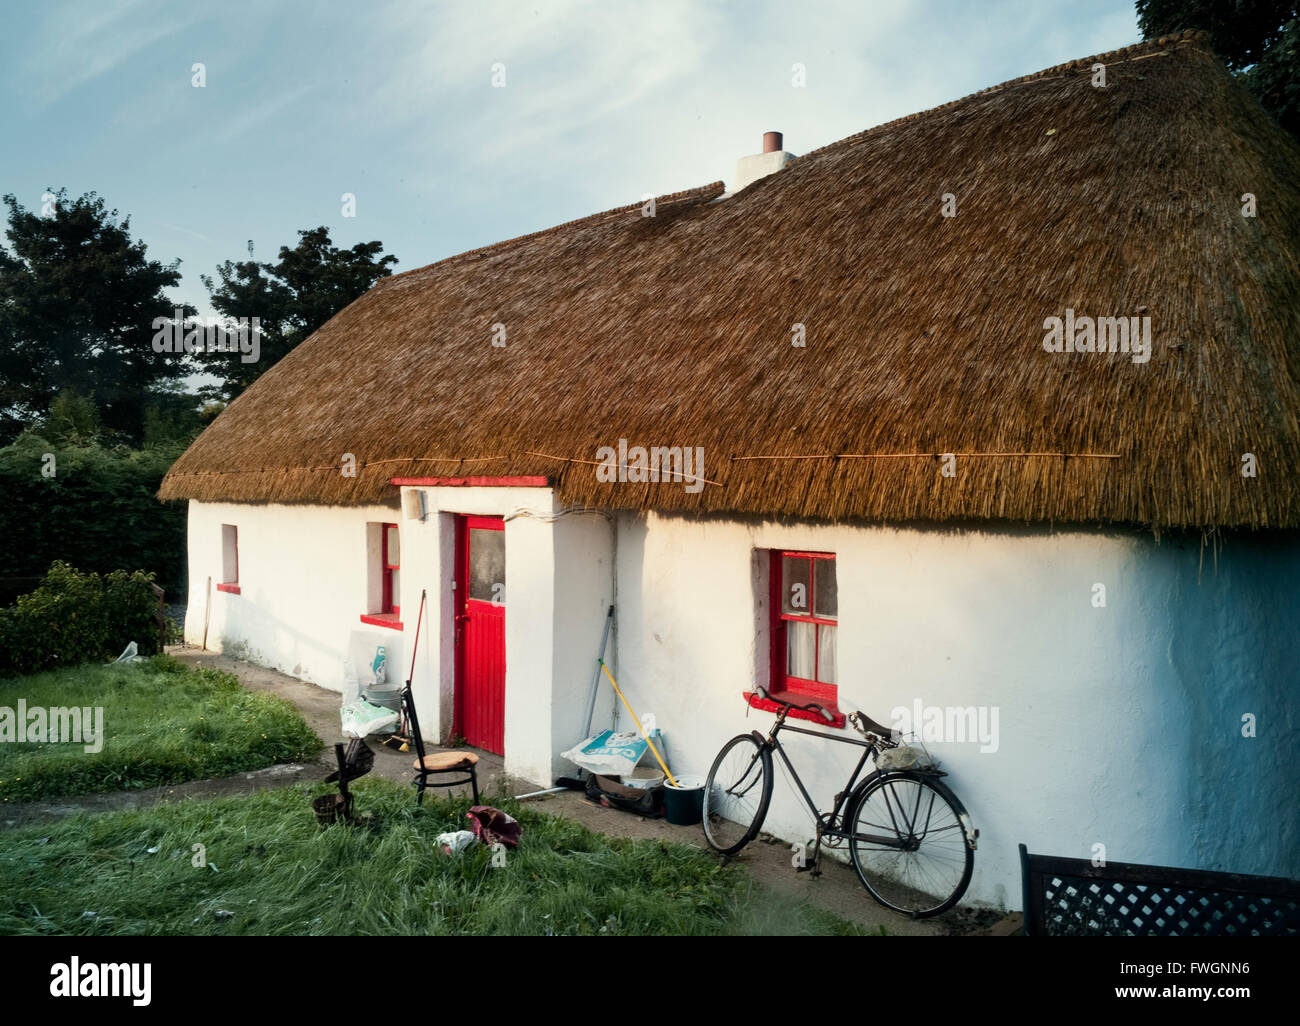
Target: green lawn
{"type": "Point", "coordinates": [164, 723]}
{"type": "Point", "coordinates": [270, 870]}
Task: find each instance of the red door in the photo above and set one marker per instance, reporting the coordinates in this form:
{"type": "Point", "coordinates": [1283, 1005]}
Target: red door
{"type": "Point", "coordinates": [481, 632]}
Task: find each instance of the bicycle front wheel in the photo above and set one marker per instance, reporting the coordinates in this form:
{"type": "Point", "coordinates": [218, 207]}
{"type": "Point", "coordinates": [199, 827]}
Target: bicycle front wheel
{"type": "Point", "coordinates": [736, 794]}
{"type": "Point", "coordinates": [908, 844]}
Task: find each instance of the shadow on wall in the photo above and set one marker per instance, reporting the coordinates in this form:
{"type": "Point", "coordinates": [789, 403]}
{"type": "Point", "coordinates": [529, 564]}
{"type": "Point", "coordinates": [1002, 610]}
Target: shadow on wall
{"type": "Point", "coordinates": [243, 610]}
{"type": "Point", "coordinates": [1235, 657]}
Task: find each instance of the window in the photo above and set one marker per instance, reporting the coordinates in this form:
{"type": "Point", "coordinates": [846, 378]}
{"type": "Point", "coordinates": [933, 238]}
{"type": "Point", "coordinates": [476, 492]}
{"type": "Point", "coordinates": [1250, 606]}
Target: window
{"type": "Point", "coordinates": [229, 559]}
{"type": "Point", "coordinates": [390, 564]}
{"type": "Point", "coordinates": [805, 618]}
{"type": "Point", "coordinates": [384, 593]}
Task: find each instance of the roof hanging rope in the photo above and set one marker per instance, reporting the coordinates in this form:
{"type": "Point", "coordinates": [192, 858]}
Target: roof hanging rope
{"type": "Point", "coordinates": [690, 477]}
{"type": "Point", "coordinates": [933, 455]}
{"type": "Point", "coordinates": [602, 463]}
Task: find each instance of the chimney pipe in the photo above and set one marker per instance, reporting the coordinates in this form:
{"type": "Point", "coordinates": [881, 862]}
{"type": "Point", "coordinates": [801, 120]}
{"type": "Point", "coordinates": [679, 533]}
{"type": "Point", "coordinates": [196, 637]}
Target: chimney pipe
{"type": "Point", "coordinates": [772, 142]}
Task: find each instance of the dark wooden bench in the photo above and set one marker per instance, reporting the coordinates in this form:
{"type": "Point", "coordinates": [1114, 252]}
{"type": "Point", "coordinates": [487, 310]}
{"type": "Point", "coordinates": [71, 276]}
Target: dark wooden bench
{"type": "Point", "coordinates": [1072, 897]}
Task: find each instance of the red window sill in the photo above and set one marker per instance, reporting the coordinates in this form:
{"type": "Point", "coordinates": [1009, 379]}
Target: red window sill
{"type": "Point", "coordinates": [229, 589]}
{"type": "Point", "coordinates": [382, 620]}
{"type": "Point", "coordinates": [767, 705]}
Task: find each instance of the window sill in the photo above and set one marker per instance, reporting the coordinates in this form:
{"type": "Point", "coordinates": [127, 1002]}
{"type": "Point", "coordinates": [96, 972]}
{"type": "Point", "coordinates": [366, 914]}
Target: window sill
{"type": "Point", "coordinates": [388, 620]}
{"type": "Point", "coordinates": [229, 589]}
{"type": "Point", "coordinates": [767, 705]}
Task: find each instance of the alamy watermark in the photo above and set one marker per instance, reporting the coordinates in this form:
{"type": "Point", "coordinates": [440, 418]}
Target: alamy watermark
{"type": "Point", "coordinates": [640, 465]}
{"type": "Point", "coordinates": [957, 723]}
{"type": "Point", "coordinates": [102, 979]}
{"type": "Point", "coordinates": [1072, 334]}
{"type": "Point", "coordinates": [77, 725]}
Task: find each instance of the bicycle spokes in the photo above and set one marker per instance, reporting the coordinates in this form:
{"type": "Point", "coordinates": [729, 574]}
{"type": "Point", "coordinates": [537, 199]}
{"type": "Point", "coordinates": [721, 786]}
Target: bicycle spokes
{"type": "Point", "coordinates": [736, 794]}
{"type": "Point", "coordinates": [909, 846]}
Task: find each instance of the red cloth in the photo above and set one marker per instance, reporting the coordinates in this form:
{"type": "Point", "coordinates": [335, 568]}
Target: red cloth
{"type": "Point", "coordinates": [492, 826]}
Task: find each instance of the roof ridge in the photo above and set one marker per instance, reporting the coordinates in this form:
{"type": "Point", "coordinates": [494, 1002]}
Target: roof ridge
{"type": "Point", "coordinates": [1145, 47]}
{"type": "Point", "coordinates": [709, 191]}
{"type": "Point", "coordinates": [1186, 37]}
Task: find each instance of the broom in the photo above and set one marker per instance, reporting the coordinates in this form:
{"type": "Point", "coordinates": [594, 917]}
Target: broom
{"type": "Point", "coordinates": [401, 741]}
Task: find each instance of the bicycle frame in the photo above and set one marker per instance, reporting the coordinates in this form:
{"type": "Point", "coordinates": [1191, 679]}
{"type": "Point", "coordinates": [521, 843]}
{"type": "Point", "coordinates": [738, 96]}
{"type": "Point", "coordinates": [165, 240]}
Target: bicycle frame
{"type": "Point", "coordinates": [828, 823]}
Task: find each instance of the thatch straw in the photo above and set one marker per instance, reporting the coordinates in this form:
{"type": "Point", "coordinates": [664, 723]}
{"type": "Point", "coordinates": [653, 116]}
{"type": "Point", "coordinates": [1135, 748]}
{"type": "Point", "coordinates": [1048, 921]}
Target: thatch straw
{"type": "Point", "coordinates": [924, 333]}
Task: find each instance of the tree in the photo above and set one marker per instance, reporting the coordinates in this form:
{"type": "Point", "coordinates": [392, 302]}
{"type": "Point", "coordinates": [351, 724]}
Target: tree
{"type": "Point", "coordinates": [291, 299]}
{"type": "Point", "coordinates": [1259, 41]}
{"type": "Point", "coordinates": [78, 297]}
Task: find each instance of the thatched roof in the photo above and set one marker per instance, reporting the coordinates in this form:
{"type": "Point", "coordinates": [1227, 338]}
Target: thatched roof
{"type": "Point", "coordinates": [924, 334]}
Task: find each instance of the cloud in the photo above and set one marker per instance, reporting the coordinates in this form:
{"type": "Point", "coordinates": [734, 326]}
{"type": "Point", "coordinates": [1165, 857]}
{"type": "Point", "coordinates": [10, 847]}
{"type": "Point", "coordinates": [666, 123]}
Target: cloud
{"type": "Point", "coordinates": [77, 43]}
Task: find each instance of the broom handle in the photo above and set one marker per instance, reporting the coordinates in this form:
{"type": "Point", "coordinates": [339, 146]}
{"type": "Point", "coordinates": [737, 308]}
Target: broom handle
{"type": "Point", "coordinates": [662, 765]}
{"type": "Point", "coordinates": [419, 619]}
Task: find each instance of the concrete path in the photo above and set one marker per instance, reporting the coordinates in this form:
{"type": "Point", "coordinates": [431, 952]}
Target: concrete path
{"type": "Point", "coordinates": [837, 889]}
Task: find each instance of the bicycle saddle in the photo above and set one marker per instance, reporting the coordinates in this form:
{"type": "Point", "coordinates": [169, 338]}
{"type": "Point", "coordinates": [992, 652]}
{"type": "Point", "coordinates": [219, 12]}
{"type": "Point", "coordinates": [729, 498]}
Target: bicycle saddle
{"type": "Point", "coordinates": [867, 725]}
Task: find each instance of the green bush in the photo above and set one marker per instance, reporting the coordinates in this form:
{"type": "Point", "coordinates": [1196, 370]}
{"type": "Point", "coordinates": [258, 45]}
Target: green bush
{"type": "Point", "coordinates": [74, 617]}
{"type": "Point", "coordinates": [99, 511]}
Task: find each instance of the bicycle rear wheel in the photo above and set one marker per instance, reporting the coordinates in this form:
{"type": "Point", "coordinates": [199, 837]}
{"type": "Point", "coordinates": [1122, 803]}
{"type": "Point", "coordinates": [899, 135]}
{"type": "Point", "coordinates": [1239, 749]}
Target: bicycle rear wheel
{"type": "Point", "coordinates": [736, 794]}
{"type": "Point", "coordinates": [908, 843]}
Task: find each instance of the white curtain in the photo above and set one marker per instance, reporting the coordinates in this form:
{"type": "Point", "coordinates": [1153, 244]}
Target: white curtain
{"type": "Point", "coordinates": [800, 639]}
{"type": "Point", "coordinates": [826, 655]}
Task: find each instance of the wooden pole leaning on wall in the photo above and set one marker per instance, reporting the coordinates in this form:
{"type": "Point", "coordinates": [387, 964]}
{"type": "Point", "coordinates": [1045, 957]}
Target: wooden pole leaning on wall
{"type": "Point", "coordinates": [207, 608]}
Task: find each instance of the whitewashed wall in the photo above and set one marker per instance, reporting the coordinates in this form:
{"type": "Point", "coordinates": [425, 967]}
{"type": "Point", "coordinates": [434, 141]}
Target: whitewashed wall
{"type": "Point", "coordinates": [304, 583]}
{"type": "Point", "coordinates": [303, 587]}
{"type": "Point", "coordinates": [1118, 725]}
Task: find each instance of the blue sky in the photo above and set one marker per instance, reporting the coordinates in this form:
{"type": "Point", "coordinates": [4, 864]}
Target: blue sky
{"type": "Point", "coordinates": [394, 103]}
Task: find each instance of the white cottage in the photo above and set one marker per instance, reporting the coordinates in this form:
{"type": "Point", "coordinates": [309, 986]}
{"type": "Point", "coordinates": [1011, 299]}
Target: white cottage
{"type": "Point", "coordinates": [984, 421]}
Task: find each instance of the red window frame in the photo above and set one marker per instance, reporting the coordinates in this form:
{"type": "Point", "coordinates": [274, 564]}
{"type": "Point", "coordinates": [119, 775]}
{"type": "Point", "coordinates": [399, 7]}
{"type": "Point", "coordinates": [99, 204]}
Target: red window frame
{"type": "Point", "coordinates": [390, 613]}
{"type": "Point", "coordinates": [386, 568]}
{"type": "Point", "coordinates": [782, 684]}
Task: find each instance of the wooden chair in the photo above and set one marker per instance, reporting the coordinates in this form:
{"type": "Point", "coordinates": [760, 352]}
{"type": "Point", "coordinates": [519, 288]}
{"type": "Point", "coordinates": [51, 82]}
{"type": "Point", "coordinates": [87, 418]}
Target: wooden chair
{"type": "Point", "coordinates": [439, 763]}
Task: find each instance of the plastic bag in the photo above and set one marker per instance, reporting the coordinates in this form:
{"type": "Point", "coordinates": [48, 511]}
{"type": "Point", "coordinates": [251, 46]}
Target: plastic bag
{"type": "Point", "coordinates": [351, 685]}
{"type": "Point", "coordinates": [907, 757]}
{"type": "Point", "coordinates": [456, 841]}
{"type": "Point", "coordinates": [362, 718]}
{"type": "Point", "coordinates": [614, 755]}
{"type": "Point", "coordinates": [130, 654]}
{"type": "Point", "coordinates": [379, 665]}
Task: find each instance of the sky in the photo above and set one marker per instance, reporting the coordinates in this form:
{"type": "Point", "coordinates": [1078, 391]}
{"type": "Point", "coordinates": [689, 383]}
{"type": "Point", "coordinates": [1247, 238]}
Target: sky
{"type": "Point", "coordinates": [603, 101]}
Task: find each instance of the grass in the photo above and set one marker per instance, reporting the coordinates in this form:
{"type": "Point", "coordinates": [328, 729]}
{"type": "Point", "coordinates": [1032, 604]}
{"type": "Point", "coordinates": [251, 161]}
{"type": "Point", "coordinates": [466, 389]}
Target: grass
{"type": "Point", "coordinates": [165, 723]}
{"type": "Point", "coordinates": [267, 868]}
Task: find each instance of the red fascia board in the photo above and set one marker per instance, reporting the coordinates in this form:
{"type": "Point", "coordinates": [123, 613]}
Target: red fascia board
{"type": "Point", "coordinates": [472, 482]}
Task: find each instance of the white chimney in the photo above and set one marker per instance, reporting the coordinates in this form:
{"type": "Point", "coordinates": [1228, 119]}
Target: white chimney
{"type": "Point", "coordinates": [760, 165]}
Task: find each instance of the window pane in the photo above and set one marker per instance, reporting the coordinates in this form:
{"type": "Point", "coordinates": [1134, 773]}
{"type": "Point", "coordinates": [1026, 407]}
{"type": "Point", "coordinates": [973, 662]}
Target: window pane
{"type": "Point", "coordinates": [394, 554]}
{"type": "Point", "coordinates": [825, 592]}
{"type": "Point", "coordinates": [825, 653]}
{"type": "Point", "coordinates": [487, 565]}
{"type": "Point", "coordinates": [799, 641]}
{"type": "Point", "coordinates": [796, 585]}
{"type": "Point", "coordinates": [229, 554]}
{"type": "Point", "coordinates": [397, 592]}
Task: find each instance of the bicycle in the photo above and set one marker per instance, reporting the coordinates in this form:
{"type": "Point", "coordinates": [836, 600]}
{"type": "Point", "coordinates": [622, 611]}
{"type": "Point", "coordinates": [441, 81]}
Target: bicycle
{"type": "Point", "coordinates": [910, 839]}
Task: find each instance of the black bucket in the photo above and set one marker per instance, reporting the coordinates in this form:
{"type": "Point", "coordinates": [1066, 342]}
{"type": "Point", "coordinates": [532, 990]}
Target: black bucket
{"type": "Point", "coordinates": [684, 804]}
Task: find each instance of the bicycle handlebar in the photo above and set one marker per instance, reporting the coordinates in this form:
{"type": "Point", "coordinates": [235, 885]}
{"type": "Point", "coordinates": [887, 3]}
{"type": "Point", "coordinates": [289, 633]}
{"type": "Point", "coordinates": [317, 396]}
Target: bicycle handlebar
{"type": "Point", "coordinates": [762, 692]}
